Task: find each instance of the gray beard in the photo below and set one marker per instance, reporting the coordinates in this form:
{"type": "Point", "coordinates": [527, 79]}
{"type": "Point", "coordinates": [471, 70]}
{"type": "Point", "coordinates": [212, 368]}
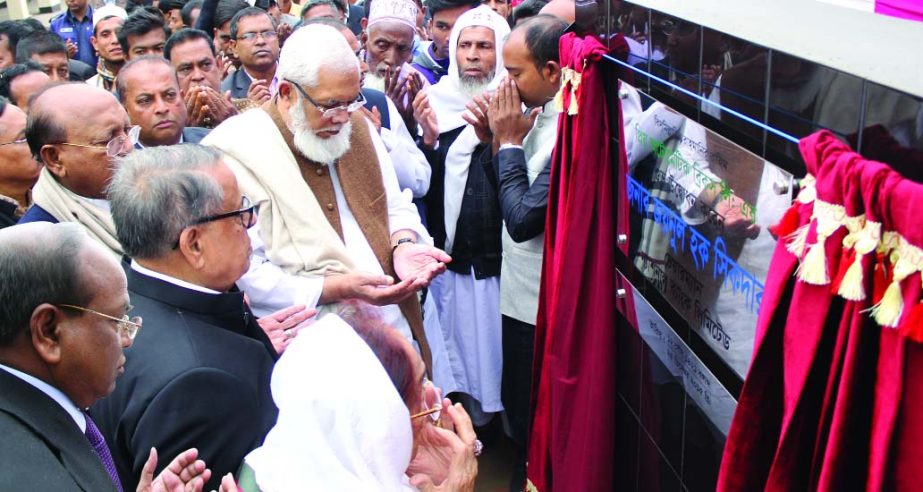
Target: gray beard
{"type": "Point", "coordinates": [323, 151]}
{"type": "Point", "coordinates": [373, 81]}
{"type": "Point", "coordinates": [474, 86]}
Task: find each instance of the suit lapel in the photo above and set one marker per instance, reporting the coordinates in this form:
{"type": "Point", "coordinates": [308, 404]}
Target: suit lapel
{"type": "Point", "coordinates": [52, 424]}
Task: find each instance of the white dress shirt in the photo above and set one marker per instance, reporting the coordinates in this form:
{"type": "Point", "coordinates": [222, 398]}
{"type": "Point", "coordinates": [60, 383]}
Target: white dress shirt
{"type": "Point", "coordinates": [412, 169]}
{"type": "Point", "coordinates": [171, 280]}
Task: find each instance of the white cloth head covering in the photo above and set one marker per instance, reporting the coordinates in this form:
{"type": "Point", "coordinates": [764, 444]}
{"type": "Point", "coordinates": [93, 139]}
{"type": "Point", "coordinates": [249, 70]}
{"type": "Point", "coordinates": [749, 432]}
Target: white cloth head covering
{"type": "Point", "coordinates": [448, 100]}
{"type": "Point", "coordinates": [342, 425]}
{"type": "Point", "coordinates": [403, 11]}
{"type": "Point", "coordinates": [108, 10]}
{"type": "Point", "coordinates": [446, 97]}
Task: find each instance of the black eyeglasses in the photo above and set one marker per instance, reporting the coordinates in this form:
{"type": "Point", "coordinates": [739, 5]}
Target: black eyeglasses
{"type": "Point", "coordinates": [328, 112]}
{"type": "Point", "coordinates": [246, 214]}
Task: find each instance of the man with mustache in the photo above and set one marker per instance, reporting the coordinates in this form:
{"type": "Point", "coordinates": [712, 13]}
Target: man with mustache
{"type": "Point", "coordinates": [333, 225]}
{"type": "Point", "coordinates": [149, 90]}
{"type": "Point", "coordinates": [255, 42]}
{"type": "Point", "coordinates": [106, 24]}
{"type": "Point", "coordinates": [198, 69]}
{"type": "Point", "coordinates": [464, 212]}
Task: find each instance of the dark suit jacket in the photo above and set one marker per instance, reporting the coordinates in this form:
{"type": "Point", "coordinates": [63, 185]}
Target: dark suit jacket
{"type": "Point", "coordinates": [191, 134]}
{"type": "Point", "coordinates": [197, 375]}
{"type": "Point", "coordinates": [37, 214]}
{"type": "Point", "coordinates": [43, 449]}
{"type": "Point", "coordinates": [238, 83]}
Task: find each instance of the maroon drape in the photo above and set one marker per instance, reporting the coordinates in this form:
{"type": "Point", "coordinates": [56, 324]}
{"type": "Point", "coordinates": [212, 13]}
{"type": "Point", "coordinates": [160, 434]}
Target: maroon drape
{"type": "Point", "coordinates": [829, 402]}
{"type": "Point", "coordinates": [573, 430]}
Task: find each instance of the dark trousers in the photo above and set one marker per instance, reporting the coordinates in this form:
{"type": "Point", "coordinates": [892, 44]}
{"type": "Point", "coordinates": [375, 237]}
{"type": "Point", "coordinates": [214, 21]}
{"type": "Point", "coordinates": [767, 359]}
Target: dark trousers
{"type": "Point", "coordinates": [516, 389]}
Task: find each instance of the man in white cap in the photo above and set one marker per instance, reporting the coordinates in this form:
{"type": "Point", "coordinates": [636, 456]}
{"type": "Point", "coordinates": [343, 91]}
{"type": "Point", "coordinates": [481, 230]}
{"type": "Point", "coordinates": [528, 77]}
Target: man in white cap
{"type": "Point", "coordinates": [464, 212]}
{"type": "Point", "coordinates": [333, 224]}
{"type": "Point", "coordinates": [388, 40]}
{"type": "Point", "coordinates": [107, 20]}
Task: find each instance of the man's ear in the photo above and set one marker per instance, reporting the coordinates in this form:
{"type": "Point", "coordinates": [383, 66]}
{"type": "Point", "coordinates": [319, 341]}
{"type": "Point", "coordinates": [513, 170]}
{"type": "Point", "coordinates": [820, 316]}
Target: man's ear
{"type": "Point", "coordinates": [95, 43]}
{"type": "Point", "coordinates": [51, 157]}
{"type": "Point", "coordinates": [552, 72]}
{"type": "Point", "coordinates": [45, 333]}
{"type": "Point", "coordinates": [190, 245]}
{"type": "Point", "coordinates": [364, 36]}
{"type": "Point", "coordinates": [232, 45]}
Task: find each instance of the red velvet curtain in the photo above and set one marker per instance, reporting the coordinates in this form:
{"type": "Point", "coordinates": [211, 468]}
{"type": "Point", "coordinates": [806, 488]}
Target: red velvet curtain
{"type": "Point", "coordinates": [829, 402]}
{"type": "Point", "coordinates": [573, 430]}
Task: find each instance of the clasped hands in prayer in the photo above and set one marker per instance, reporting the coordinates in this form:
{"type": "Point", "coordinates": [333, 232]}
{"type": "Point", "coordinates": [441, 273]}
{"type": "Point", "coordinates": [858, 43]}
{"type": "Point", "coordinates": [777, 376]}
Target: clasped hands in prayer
{"type": "Point", "coordinates": [445, 457]}
{"type": "Point", "coordinates": [499, 118]}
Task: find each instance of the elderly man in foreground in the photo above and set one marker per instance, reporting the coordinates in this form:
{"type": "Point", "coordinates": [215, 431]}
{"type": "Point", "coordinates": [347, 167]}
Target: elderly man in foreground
{"type": "Point", "coordinates": [333, 223]}
{"type": "Point", "coordinates": [63, 326]}
{"type": "Point", "coordinates": [199, 375]}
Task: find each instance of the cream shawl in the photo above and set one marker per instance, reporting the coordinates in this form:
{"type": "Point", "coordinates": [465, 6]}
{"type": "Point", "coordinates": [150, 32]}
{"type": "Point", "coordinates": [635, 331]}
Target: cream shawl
{"type": "Point", "coordinates": [66, 206]}
{"type": "Point", "coordinates": [299, 239]}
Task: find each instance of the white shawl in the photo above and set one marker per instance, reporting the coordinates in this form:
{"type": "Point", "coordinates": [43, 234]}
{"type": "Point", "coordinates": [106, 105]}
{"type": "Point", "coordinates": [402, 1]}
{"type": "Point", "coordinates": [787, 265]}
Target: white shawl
{"type": "Point", "coordinates": [342, 425]}
{"type": "Point", "coordinates": [67, 206]}
{"type": "Point", "coordinates": [448, 101]}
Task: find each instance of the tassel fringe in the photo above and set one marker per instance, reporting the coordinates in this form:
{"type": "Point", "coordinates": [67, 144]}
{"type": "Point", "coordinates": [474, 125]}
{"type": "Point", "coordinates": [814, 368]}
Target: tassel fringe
{"type": "Point", "coordinates": [796, 241]}
{"type": "Point", "coordinates": [813, 269]}
{"type": "Point", "coordinates": [888, 311]}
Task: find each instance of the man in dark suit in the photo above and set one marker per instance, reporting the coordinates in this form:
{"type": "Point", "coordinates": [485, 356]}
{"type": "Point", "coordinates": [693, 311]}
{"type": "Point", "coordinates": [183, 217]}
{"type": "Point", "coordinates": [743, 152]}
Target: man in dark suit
{"type": "Point", "coordinates": [63, 326]}
{"type": "Point", "coordinates": [199, 374]}
{"type": "Point", "coordinates": [256, 44]}
{"type": "Point", "coordinates": [149, 90]}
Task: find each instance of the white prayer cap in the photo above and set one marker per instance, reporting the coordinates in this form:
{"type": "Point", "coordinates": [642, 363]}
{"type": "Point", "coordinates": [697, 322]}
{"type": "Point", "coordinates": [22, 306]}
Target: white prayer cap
{"type": "Point", "coordinates": [108, 10]}
{"type": "Point", "coordinates": [403, 11]}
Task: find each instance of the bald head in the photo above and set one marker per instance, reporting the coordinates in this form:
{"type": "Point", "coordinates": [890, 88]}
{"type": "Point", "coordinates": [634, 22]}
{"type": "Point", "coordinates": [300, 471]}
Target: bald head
{"type": "Point", "coordinates": [85, 117]}
{"type": "Point", "coordinates": [566, 10]}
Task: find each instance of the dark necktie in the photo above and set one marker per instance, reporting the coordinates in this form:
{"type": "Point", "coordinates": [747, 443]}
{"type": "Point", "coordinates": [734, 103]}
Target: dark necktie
{"type": "Point", "coordinates": [99, 445]}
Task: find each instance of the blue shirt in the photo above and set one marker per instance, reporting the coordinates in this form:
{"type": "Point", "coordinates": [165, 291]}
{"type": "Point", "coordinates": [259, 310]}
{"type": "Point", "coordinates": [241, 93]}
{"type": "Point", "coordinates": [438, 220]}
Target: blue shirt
{"type": "Point", "coordinates": [68, 27]}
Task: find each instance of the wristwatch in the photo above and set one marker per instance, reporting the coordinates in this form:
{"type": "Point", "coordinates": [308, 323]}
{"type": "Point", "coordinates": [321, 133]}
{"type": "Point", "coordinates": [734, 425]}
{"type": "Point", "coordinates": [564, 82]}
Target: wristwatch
{"type": "Point", "coordinates": [402, 241]}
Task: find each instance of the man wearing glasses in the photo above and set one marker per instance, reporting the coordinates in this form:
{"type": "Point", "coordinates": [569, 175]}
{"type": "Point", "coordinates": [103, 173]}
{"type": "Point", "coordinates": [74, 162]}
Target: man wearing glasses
{"type": "Point", "coordinates": [19, 171]}
{"type": "Point", "coordinates": [64, 323]}
{"type": "Point", "coordinates": [76, 130]}
{"type": "Point", "coordinates": [256, 43]}
{"type": "Point", "coordinates": [198, 375]}
{"type": "Point", "coordinates": [333, 223]}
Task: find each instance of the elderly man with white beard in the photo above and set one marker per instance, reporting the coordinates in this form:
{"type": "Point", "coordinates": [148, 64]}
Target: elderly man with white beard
{"type": "Point", "coordinates": [464, 211]}
{"type": "Point", "coordinates": [333, 224]}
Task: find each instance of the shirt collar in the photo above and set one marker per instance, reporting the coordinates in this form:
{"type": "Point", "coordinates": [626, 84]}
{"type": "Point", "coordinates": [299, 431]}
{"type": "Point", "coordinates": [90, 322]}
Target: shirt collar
{"type": "Point", "coordinates": [171, 280]}
{"type": "Point", "coordinates": [181, 140]}
{"type": "Point", "coordinates": [53, 393]}
{"type": "Point", "coordinates": [88, 16]}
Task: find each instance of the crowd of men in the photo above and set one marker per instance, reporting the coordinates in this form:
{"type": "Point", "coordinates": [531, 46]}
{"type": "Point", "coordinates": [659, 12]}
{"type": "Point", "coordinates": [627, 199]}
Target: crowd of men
{"type": "Point", "coordinates": [241, 169]}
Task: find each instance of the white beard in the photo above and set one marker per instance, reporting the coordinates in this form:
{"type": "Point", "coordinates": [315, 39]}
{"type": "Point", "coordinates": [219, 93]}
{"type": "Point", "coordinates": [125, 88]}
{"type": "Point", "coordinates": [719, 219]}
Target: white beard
{"type": "Point", "coordinates": [320, 150]}
{"type": "Point", "coordinates": [373, 81]}
{"type": "Point", "coordinates": [472, 86]}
